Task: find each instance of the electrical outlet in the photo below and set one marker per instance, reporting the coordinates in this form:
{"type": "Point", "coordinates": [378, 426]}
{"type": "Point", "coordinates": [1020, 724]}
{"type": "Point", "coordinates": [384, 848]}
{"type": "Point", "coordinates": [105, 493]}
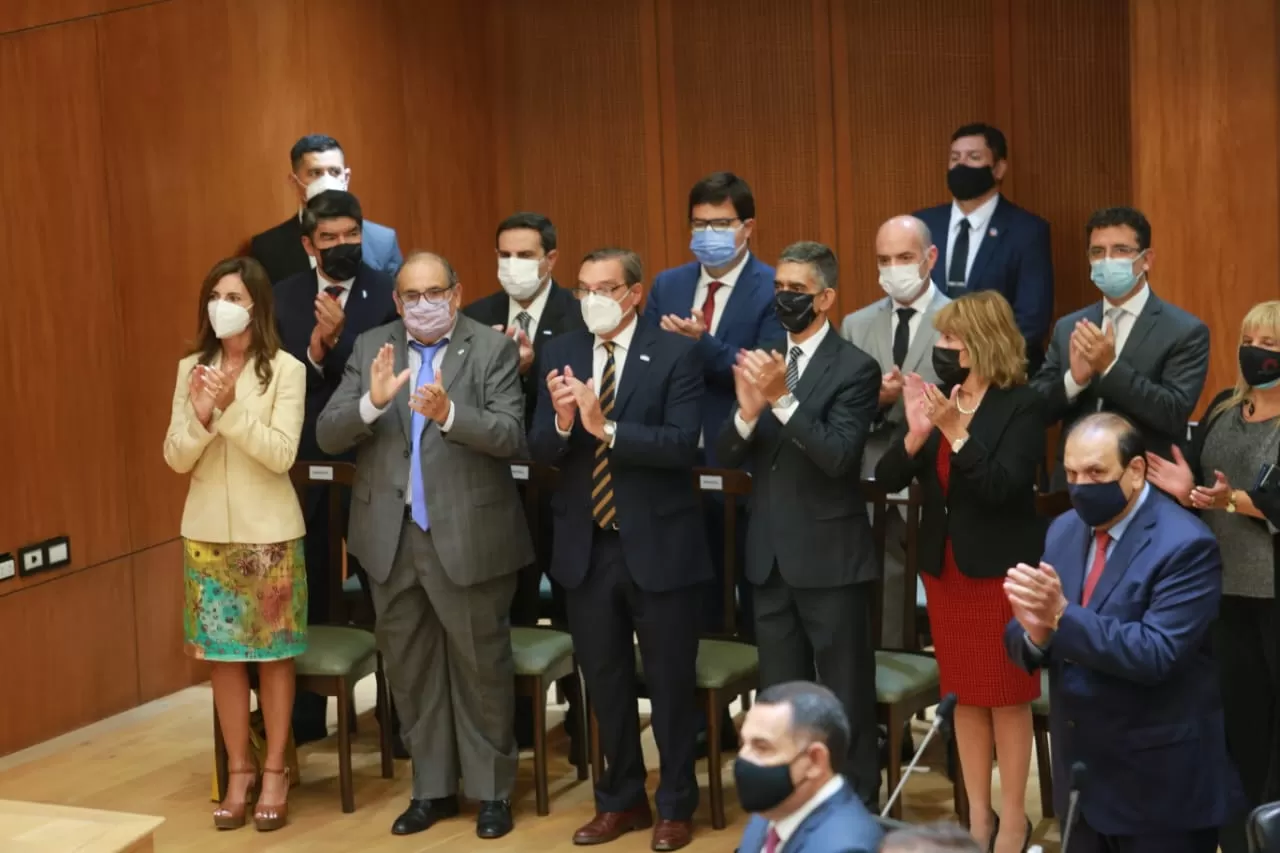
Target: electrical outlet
{"type": "Point", "coordinates": [31, 559]}
{"type": "Point", "coordinates": [7, 567]}
{"type": "Point", "coordinates": [57, 552]}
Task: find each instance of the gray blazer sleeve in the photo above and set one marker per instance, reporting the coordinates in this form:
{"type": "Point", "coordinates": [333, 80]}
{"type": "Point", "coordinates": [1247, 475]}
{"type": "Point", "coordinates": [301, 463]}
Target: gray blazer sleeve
{"type": "Point", "coordinates": [1166, 405]}
{"type": "Point", "coordinates": [497, 429]}
{"type": "Point", "coordinates": [340, 427]}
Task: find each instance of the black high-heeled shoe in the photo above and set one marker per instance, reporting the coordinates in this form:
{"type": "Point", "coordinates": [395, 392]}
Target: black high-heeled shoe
{"type": "Point", "coordinates": [1026, 841]}
{"type": "Point", "coordinates": [995, 830]}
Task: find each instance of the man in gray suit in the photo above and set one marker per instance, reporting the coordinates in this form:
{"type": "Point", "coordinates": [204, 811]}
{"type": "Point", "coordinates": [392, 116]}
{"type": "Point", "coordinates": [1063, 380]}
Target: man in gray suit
{"type": "Point", "coordinates": [438, 526]}
{"type": "Point", "coordinates": [905, 254]}
{"type": "Point", "coordinates": [1132, 353]}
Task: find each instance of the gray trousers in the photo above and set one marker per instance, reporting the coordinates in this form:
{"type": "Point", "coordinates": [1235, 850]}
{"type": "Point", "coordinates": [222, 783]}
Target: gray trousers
{"type": "Point", "coordinates": [447, 654]}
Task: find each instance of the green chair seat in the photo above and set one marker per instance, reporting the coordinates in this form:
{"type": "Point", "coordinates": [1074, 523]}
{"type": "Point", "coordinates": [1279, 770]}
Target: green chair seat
{"type": "Point", "coordinates": [901, 675]}
{"type": "Point", "coordinates": [720, 663]}
{"type": "Point", "coordinates": [1040, 707]}
{"type": "Point", "coordinates": [337, 651]}
{"type": "Point", "coordinates": [537, 650]}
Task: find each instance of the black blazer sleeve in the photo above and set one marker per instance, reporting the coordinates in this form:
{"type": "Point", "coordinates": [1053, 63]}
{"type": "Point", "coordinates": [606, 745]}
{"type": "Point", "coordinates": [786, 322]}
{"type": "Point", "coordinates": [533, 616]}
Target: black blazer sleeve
{"type": "Point", "coordinates": [895, 469]}
{"type": "Point", "coordinates": [997, 474]}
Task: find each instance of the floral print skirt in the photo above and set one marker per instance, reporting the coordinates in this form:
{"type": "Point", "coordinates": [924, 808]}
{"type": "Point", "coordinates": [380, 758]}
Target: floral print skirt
{"type": "Point", "coordinates": [245, 602]}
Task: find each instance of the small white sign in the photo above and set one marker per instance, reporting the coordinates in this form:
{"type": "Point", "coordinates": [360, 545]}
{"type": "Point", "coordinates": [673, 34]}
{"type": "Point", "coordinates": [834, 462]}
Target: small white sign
{"type": "Point", "coordinates": [519, 472]}
{"type": "Point", "coordinates": [7, 568]}
{"type": "Point", "coordinates": [320, 472]}
{"type": "Point", "coordinates": [711, 482]}
{"type": "Point", "coordinates": [58, 553]}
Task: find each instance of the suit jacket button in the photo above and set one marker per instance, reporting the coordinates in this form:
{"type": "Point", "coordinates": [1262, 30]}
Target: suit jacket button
{"type": "Point", "coordinates": [775, 467]}
{"type": "Point", "coordinates": [1071, 724]}
{"type": "Point", "coordinates": [406, 454]}
{"type": "Point", "coordinates": [400, 493]}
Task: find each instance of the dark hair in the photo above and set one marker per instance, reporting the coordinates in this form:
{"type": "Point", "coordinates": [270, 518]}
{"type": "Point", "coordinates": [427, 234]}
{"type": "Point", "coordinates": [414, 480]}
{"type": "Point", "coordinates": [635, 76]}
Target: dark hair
{"type": "Point", "coordinates": [419, 255]}
{"type": "Point", "coordinates": [312, 143]}
{"type": "Point", "coordinates": [1113, 217]}
{"type": "Point", "coordinates": [264, 343]}
{"type": "Point", "coordinates": [632, 268]}
{"type": "Point", "coordinates": [993, 135]}
{"type": "Point", "coordinates": [330, 204]}
{"type": "Point", "coordinates": [815, 711]}
{"type": "Point", "coordinates": [532, 222]}
{"type": "Point", "coordinates": [826, 269]}
{"type": "Point", "coordinates": [724, 186]}
{"type": "Point", "coordinates": [941, 837]}
{"type": "Point", "coordinates": [1129, 441]}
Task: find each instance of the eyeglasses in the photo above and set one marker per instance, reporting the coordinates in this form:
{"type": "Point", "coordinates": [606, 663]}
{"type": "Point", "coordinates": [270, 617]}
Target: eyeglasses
{"type": "Point", "coordinates": [717, 225]}
{"type": "Point", "coordinates": [435, 297]}
{"type": "Point", "coordinates": [608, 289]}
{"type": "Point", "coordinates": [1127, 253]}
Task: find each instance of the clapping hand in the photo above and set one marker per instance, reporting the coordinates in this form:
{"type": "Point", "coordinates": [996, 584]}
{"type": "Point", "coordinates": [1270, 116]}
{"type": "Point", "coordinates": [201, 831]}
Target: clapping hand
{"type": "Point", "coordinates": [694, 327]}
{"type": "Point", "coordinates": [1212, 497]}
{"type": "Point", "coordinates": [1097, 347]}
{"type": "Point", "coordinates": [431, 400]}
{"type": "Point", "coordinates": [526, 346]}
{"type": "Point", "coordinates": [1035, 594]}
{"type": "Point", "coordinates": [562, 398]}
{"type": "Point", "coordinates": [767, 371]}
{"type": "Point", "coordinates": [750, 401]}
{"type": "Point", "coordinates": [199, 394]}
{"type": "Point", "coordinates": [588, 404]}
{"type": "Point", "coordinates": [224, 386]}
{"type": "Point", "coordinates": [891, 385]}
{"type": "Point", "coordinates": [916, 405]}
{"type": "Point", "coordinates": [943, 411]}
{"type": "Point", "coordinates": [384, 382]}
{"type": "Point", "coordinates": [1173, 478]}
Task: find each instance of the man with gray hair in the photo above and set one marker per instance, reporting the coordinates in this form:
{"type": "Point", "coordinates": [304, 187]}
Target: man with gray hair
{"type": "Point", "coordinates": [941, 837]}
{"type": "Point", "coordinates": [433, 406]}
{"type": "Point", "coordinates": [800, 424]}
{"type": "Point", "coordinates": [787, 776]}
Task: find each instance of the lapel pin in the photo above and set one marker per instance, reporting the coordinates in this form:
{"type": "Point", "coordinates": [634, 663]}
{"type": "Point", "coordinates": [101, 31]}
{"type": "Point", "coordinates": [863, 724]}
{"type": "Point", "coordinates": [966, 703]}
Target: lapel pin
{"type": "Point", "coordinates": [993, 233]}
{"type": "Point", "coordinates": [461, 351]}
{"type": "Point", "coordinates": [546, 331]}
{"type": "Point", "coordinates": [644, 357]}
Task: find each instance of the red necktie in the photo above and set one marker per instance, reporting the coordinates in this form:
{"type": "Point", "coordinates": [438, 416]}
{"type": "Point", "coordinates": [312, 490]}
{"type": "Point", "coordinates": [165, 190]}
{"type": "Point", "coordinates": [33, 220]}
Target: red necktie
{"type": "Point", "coordinates": [709, 311]}
{"type": "Point", "coordinates": [1101, 540]}
{"type": "Point", "coordinates": [771, 841]}
{"type": "Point", "coordinates": [335, 291]}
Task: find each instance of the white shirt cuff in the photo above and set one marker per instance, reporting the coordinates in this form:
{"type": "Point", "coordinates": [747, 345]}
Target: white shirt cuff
{"type": "Point", "coordinates": [448, 421]}
{"type": "Point", "coordinates": [744, 429]}
{"type": "Point", "coordinates": [1072, 387]}
{"type": "Point", "coordinates": [370, 413]}
{"type": "Point", "coordinates": [563, 433]}
{"type": "Point", "coordinates": [311, 361]}
{"type": "Point", "coordinates": [784, 414]}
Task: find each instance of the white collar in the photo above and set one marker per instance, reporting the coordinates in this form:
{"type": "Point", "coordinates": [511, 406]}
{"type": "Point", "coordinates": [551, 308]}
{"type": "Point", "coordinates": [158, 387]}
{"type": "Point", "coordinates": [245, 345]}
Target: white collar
{"type": "Point", "coordinates": [323, 282]}
{"type": "Point", "coordinates": [919, 304]}
{"type": "Point", "coordinates": [535, 309]}
{"type": "Point", "coordinates": [810, 346]}
{"type": "Point", "coordinates": [787, 826]}
{"type": "Point", "coordinates": [622, 341]}
{"type": "Point", "coordinates": [978, 219]}
{"type": "Point", "coordinates": [1133, 305]}
{"type": "Point", "coordinates": [730, 278]}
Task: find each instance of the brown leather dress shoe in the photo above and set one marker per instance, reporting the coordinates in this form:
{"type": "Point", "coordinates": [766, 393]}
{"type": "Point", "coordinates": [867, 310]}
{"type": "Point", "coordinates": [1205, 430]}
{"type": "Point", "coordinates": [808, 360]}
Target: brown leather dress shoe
{"type": "Point", "coordinates": [672, 834]}
{"type": "Point", "coordinates": [609, 826]}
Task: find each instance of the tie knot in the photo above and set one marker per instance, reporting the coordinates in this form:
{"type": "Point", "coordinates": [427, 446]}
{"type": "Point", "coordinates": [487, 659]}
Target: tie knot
{"type": "Point", "coordinates": [1102, 538]}
{"type": "Point", "coordinates": [713, 286]}
{"type": "Point", "coordinates": [905, 314]}
{"type": "Point", "coordinates": [964, 225]}
{"type": "Point", "coordinates": [608, 347]}
{"type": "Point", "coordinates": [523, 319]}
{"type": "Point", "coordinates": [426, 348]}
{"type": "Point", "coordinates": [335, 290]}
{"type": "Point", "coordinates": [795, 353]}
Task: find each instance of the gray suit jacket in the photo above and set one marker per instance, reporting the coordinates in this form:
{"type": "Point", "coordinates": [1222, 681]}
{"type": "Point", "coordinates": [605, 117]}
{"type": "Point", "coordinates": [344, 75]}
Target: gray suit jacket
{"type": "Point", "coordinates": [477, 521]}
{"type": "Point", "coordinates": [1156, 381]}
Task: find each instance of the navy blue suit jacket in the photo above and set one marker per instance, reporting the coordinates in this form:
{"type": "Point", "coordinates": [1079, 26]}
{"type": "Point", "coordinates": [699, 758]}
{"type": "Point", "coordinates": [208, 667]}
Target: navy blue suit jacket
{"type": "Point", "coordinates": [1013, 258]}
{"type": "Point", "coordinates": [748, 322]}
{"type": "Point", "coordinates": [651, 464]}
{"type": "Point", "coordinates": [369, 305]}
{"type": "Point", "coordinates": [1133, 687]}
{"type": "Point", "coordinates": [840, 825]}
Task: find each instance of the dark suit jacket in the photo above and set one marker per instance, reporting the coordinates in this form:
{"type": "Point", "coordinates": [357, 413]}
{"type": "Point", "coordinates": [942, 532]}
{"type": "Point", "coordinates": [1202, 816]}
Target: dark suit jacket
{"type": "Point", "coordinates": [369, 305]}
{"type": "Point", "coordinates": [280, 251]}
{"type": "Point", "coordinates": [807, 510]}
{"type": "Point", "coordinates": [657, 412]}
{"type": "Point", "coordinates": [747, 322]}
{"type": "Point", "coordinates": [1013, 258]}
{"type": "Point", "coordinates": [1156, 381]}
{"type": "Point", "coordinates": [562, 313]}
{"type": "Point", "coordinates": [1133, 687]}
{"type": "Point", "coordinates": [989, 510]}
{"type": "Point", "coordinates": [840, 825]}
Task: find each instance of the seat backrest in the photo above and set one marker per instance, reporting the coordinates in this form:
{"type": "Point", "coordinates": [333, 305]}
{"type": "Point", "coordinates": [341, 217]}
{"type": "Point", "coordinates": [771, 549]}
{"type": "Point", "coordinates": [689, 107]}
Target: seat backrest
{"type": "Point", "coordinates": [332, 478]}
{"type": "Point", "coordinates": [733, 484]}
{"type": "Point", "coordinates": [1263, 829]}
{"type": "Point", "coordinates": [882, 503]}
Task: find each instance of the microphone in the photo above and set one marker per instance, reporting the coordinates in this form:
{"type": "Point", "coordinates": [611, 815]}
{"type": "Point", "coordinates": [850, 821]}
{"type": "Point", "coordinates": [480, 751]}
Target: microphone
{"type": "Point", "coordinates": [941, 717]}
{"type": "Point", "coordinates": [1079, 778]}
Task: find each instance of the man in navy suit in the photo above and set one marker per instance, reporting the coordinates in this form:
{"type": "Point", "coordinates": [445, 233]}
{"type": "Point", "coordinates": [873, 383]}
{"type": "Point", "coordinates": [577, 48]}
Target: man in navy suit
{"type": "Point", "coordinates": [986, 242]}
{"type": "Point", "coordinates": [1119, 613]}
{"type": "Point", "coordinates": [316, 164]}
{"type": "Point", "coordinates": [618, 415]}
{"type": "Point", "coordinates": [319, 315]}
{"type": "Point", "coordinates": [792, 738]}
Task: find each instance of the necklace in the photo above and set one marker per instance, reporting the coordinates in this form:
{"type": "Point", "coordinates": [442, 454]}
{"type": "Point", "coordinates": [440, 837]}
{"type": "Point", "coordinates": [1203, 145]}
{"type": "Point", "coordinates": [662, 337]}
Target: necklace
{"type": "Point", "coordinates": [963, 410]}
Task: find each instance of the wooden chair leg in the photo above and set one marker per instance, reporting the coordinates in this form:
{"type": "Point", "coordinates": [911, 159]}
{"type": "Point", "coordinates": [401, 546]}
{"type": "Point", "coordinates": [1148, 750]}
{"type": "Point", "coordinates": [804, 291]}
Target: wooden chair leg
{"type": "Point", "coordinates": [344, 747]}
{"type": "Point", "coordinates": [1045, 767]}
{"type": "Point", "coordinates": [540, 746]}
{"type": "Point", "coordinates": [959, 793]}
{"type": "Point", "coordinates": [559, 694]}
{"type": "Point", "coordinates": [581, 758]}
{"type": "Point", "coordinates": [383, 710]}
{"type": "Point", "coordinates": [745, 698]}
{"type": "Point", "coordinates": [714, 762]}
{"type": "Point", "coordinates": [219, 756]}
{"type": "Point", "coordinates": [893, 773]}
{"type": "Point", "coordinates": [593, 738]}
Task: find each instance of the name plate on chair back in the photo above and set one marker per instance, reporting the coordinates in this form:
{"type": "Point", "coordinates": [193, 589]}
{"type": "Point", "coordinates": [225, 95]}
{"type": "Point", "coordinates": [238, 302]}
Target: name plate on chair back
{"type": "Point", "coordinates": [520, 472]}
{"type": "Point", "coordinates": [320, 472]}
{"type": "Point", "coordinates": [711, 482]}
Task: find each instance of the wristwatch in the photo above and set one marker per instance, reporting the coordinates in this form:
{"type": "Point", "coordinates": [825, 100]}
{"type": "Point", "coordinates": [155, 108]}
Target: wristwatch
{"type": "Point", "coordinates": [785, 401]}
{"type": "Point", "coordinates": [1231, 501]}
{"type": "Point", "coordinates": [610, 430]}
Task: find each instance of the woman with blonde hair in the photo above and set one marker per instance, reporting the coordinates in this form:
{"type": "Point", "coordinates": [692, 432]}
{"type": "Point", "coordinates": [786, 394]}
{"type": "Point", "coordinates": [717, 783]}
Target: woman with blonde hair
{"type": "Point", "coordinates": [975, 443]}
{"type": "Point", "coordinates": [236, 420]}
{"type": "Point", "coordinates": [1239, 435]}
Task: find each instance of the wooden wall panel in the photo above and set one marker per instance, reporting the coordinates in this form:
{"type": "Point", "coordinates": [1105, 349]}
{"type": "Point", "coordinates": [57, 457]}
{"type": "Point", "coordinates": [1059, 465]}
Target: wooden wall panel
{"type": "Point", "coordinates": [163, 666]}
{"type": "Point", "coordinates": [71, 658]}
{"type": "Point", "coordinates": [61, 315]}
{"type": "Point", "coordinates": [1204, 121]}
{"type": "Point", "coordinates": [24, 14]}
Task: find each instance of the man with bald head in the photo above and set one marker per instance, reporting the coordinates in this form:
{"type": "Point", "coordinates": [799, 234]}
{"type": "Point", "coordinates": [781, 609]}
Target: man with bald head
{"type": "Point", "coordinates": [433, 405]}
{"type": "Point", "coordinates": [1118, 612]}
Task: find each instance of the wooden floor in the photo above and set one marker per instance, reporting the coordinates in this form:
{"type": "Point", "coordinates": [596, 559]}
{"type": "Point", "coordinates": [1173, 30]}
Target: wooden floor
{"type": "Point", "coordinates": [156, 760]}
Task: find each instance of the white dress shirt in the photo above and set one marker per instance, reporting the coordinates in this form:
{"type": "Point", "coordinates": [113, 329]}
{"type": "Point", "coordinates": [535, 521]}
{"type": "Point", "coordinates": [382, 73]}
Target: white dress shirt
{"type": "Point", "coordinates": [321, 284]}
{"type": "Point", "coordinates": [920, 305]}
{"type": "Point", "coordinates": [727, 281]}
{"type": "Point", "coordinates": [370, 413]}
{"type": "Point", "coordinates": [787, 826]}
{"type": "Point", "coordinates": [784, 413]}
{"type": "Point", "coordinates": [621, 346]}
{"type": "Point", "coordinates": [1122, 316]}
{"type": "Point", "coordinates": [535, 309]}
{"type": "Point", "coordinates": [978, 221]}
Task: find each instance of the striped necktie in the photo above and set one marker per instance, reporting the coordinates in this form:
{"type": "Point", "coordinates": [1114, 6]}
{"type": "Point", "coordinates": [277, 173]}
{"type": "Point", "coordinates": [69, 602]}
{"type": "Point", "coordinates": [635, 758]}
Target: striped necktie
{"type": "Point", "coordinates": [793, 369]}
{"type": "Point", "coordinates": [601, 482]}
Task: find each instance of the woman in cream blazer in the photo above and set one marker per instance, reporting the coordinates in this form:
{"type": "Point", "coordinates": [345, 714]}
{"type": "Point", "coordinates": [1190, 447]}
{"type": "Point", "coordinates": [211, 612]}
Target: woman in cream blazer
{"type": "Point", "coordinates": [237, 417]}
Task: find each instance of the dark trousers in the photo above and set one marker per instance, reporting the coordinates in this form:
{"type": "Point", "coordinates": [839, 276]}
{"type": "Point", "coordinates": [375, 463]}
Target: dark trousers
{"type": "Point", "coordinates": [1084, 839]}
{"type": "Point", "coordinates": [1244, 644]}
{"type": "Point", "coordinates": [713, 614]}
{"type": "Point", "coordinates": [605, 611]}
{"type": "Point", "coordinates": [826, 632]}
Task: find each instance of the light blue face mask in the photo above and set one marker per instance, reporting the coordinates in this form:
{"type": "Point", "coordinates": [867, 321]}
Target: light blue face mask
{"type": "Point", "coordinates": [714, 248]}
{"type": "Point", "coordinates": [1114, 276]}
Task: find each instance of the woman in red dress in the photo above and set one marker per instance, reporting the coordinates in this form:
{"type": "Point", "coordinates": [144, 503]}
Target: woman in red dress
{"type": "Point", "coordinates": [975, 445]}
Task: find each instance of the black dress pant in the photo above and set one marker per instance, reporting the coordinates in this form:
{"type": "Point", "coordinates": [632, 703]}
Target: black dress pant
{"type": "Point", "coordinates": [1085, 839]}
{"type": "Point", "coordinates": [826, 632]}
{"type": "Point", "coordinates": [605, 611]}
{"type": "Point", "coordinates": [1244, 644]}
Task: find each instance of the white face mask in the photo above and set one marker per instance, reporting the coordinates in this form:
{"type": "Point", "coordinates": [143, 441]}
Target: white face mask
{"type": "Point", "coordinates": [323, 183]}
{"type": "Point", "coordinates": [601, 313]}
{"type": "Point", "coordinates": [227, 318]}
{"type": "Point", "coordinates": [519, 277]}
{"type": "Point", "coordinates": [901, 282]}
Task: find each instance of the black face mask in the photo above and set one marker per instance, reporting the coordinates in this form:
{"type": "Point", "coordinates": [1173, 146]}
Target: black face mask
{"type": "Point", "coordinates": [795, 310]}
{"type": "Point", "coordinates": [762, 787]}
{"type": "Point", "coordinates": [969, 182]}
{"type": "Point", "coordinates": [1259, 367]}
{"type": "Point", "coordinates": [1097, 503]}
{"type": "Point", "coordinates": [341, 262]}
{"type": "Point", "coordinates": [946, 364]}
